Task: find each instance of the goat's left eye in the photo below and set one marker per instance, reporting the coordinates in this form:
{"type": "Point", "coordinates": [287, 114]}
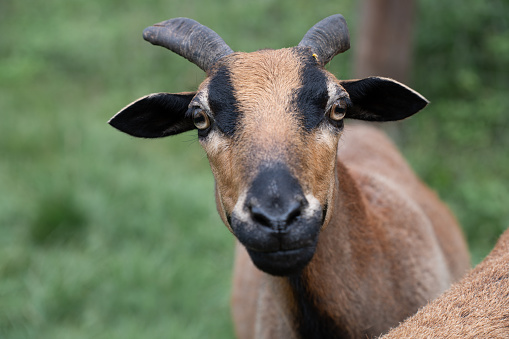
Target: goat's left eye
{"type": "Point", "coordinates": [200, 119]}
{"type": "Point", "coordinates": [338, 111]}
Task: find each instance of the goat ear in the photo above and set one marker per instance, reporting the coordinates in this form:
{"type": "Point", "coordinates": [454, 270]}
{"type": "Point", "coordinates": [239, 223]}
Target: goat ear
{"type": "Point", "coordinates": [382, 99]}
{"type": "Point", "coordinates": [155, 116]}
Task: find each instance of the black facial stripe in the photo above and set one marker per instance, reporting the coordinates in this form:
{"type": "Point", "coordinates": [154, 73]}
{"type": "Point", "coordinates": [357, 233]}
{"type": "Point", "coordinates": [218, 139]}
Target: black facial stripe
{"type": "Point", "coordinates": [311, 99]}
{"type": "Point", "coordinates": [222, 101]}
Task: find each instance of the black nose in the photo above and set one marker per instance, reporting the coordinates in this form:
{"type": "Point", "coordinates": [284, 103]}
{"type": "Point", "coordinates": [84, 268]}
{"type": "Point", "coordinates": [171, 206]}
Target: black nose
{"type": "Point", "coordinates": [275, 199]}
{"type": "Point", "coordinates": [276, 218]}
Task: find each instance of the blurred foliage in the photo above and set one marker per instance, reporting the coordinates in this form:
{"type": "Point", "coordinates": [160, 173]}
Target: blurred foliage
{"type": "Point", "coordinates": [107, 236]}
{"type": "Point", "coordinates": [58, 220]}
{"type": "Point", "coordinates": [459, 143]}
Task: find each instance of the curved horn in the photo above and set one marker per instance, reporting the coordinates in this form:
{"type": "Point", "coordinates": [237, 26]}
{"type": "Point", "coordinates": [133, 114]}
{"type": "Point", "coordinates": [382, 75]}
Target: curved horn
{"type": "Point", "coordinates": [327, 38]}
{"type": "Point", "coordinates": [190, 39]}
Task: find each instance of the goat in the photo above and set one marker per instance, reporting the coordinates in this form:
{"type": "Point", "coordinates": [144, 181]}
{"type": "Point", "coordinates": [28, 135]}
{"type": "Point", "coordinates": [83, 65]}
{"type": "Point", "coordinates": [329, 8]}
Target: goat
{"type": "Point", "coordinates": [330, 244]}
{"type": "Point", "coordinates": [475, 307]}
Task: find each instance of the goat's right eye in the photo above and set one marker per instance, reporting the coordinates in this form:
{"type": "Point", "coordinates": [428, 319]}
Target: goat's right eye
{"type": "Point", "coordinates": [201, 119]}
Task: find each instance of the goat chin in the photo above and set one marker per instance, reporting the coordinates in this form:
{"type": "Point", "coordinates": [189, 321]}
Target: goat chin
{"type": "Point", "coordinates": [352, 241]}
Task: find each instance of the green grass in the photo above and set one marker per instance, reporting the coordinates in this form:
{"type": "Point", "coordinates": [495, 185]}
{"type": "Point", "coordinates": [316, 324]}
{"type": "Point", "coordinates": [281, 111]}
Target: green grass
{"type": "Point", "coordinates": [107, 236]}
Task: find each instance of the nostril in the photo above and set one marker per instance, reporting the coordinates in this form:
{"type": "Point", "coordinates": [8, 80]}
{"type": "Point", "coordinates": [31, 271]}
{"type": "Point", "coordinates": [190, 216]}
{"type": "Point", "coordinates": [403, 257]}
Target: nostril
{"type": "Point", "coordinates": [293, 212]}
{"type": "Point", "coordinates": [260, 216]}
{"type": "Point", "coordinates": [277, 218]}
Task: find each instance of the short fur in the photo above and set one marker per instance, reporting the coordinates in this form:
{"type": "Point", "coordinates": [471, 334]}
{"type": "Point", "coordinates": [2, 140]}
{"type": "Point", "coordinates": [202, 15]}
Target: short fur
{"type": "Point", "coordinates": [350, 241]}
{"type": "Point", "coordinates": [390, 247]}
{"type": "Point", "coordinates": [475, 307]}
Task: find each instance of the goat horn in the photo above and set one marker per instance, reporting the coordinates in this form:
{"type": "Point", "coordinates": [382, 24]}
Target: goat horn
{"type": "Point", "coordinates": [327, 38]}
{"type": "Point", "coordinates": [189, 39]}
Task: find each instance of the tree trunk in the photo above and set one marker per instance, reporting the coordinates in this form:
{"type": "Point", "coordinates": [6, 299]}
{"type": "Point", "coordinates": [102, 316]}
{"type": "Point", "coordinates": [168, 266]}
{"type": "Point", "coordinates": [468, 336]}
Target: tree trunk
{"type": "Point", "coordinates": [384, 42]}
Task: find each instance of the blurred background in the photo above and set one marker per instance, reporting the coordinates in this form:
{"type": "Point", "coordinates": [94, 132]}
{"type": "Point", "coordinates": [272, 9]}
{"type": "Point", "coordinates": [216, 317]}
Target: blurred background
{"type": "Point", "coordinates": [107, 236]}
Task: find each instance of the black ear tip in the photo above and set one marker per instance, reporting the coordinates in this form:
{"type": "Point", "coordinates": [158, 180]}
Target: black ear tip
{"type": "Point", "coordinates": [111, 121]}
{"type": "Point", "coordinates": [118, 122]}
{"type": "Point", "coordinates": [420, 102]}
{"type": "Point", "coordinates": [114, 122]}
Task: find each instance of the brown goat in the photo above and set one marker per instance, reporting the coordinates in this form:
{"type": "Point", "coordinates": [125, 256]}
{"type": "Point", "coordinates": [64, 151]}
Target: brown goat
{"type": "Point", "coordinates": [331, 244]}
{"type": "Point", "coordinates": [475, 307]}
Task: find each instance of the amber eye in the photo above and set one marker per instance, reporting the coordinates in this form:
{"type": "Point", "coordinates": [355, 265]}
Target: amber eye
{"type": "Point", "coordinates": [200, 118]}
{"type": "Point", "coordinates": [338, 111]}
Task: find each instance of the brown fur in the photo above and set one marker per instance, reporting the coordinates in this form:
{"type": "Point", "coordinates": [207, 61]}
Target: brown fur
{"type": "Point", "coordinates": [354, 241]}
{"type": "Point", "coordinates": [388, 244]}
{"type": "Point", "coordinates": [264, 83]}
{"type": "Point", "coordinates": [378, 260]}
{"type": "Point", "coordinates": [475, 307]}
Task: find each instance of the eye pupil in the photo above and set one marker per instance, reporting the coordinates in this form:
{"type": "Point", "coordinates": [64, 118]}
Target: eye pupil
{"type": "Point", "coordinates": [200, 119]}
{"type": "Point", "coordinates": [338, 111]}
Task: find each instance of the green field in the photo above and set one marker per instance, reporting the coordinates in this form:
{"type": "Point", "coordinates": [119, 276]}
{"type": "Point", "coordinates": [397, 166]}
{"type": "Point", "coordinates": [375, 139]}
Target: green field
{"type": "Point", "coordinates": [107, 236]}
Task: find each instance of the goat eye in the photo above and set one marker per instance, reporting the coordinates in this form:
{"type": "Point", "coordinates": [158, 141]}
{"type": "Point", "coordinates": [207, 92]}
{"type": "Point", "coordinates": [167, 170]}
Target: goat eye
{"type": "Point", "coordinates": [338, 111]}
{"type": "Point", "coordinates": [200, 119]}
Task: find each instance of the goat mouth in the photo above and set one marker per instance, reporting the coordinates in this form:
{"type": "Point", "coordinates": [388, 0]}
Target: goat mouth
{"type": "Point", "coordinates": [282, 262]}
{"type": "Point", "coordinates": [280, 251]}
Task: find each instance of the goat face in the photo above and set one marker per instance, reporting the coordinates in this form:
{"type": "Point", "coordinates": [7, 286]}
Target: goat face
{"type": "Point", "coordinates": [271, 146]}
{"type": "Point", "coordinates": [269, 122]}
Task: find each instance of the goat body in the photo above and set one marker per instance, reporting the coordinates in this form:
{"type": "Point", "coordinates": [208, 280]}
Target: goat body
{"type": "Point", "coordinates": [332, 244]}
{"type": "Point", "coordinates": [390, 247]}
{"type": "Point", "coordinates": [475, 307]}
